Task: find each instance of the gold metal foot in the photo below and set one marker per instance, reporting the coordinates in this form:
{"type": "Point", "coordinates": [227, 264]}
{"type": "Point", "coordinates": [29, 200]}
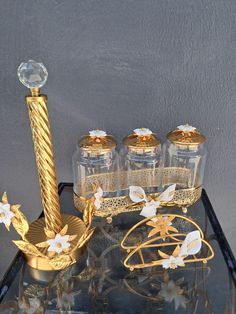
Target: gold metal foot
{"type": "Point", "coordinates": [109, 220]}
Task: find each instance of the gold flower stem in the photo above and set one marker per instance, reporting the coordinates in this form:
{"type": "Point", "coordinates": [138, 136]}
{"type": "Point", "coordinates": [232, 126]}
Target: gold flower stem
{"type": "Point", "coordinates": [41, 135]}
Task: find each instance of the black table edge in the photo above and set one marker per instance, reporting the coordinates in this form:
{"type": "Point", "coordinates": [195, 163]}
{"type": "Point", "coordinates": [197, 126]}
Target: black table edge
{"type": "Point", "coordinates": [223, 242]}
{"type": "Point", "coordinates": [224, 245]}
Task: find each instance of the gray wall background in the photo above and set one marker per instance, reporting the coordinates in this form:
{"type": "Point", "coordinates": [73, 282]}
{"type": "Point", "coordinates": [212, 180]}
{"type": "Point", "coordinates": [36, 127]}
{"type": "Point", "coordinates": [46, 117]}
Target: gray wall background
{"type": "Point", "coordinates": [118, 65]}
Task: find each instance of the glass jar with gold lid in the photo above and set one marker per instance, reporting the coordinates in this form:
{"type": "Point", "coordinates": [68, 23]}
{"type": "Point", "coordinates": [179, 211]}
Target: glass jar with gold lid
{"type": "Point", "coordinates": [140, 160]}
{"type": "Point", "coordinates": [95, 164]}
{"type": "Point", "coordinates": [184, 157]}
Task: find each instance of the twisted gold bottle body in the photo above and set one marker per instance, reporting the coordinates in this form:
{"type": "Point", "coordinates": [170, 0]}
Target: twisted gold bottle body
{"type": "Point", "coordinates": [41, 134]}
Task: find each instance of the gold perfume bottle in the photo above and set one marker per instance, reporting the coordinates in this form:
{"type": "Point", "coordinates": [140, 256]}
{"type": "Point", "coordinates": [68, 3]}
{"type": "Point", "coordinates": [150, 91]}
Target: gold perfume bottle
{"type": "Point", "coordinates": [56, 240]}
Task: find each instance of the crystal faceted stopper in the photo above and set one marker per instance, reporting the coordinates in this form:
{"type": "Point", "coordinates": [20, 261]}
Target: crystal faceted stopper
{"type": "Point", "coordinates": [32, 74]}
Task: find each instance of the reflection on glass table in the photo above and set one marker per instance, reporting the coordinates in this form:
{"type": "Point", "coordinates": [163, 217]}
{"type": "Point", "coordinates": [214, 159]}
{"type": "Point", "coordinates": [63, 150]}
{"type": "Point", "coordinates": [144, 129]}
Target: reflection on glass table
{"type": "Point", "coordinates": [100, 283]}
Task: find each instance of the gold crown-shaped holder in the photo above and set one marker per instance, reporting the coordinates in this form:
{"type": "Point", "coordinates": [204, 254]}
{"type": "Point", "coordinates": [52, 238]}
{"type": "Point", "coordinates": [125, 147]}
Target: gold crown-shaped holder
{"type": "Point", "coordinates": [53, 222]}
{"type": "Point", "coordinates": [164, 242]}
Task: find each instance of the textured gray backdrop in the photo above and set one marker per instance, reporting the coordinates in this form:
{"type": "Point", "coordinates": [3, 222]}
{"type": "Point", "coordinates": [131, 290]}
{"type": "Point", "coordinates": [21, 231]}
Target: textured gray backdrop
{"type": "Point", "coordinates": [118, 65]}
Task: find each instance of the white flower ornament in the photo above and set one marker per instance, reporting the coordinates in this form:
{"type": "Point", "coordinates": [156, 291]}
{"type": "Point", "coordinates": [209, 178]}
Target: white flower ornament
{"type": "Point", "coordinates": [168, 194]}
{"type": "Point", "coordinates": [98, 198]}
{"type": "Point", "coordinates": [6, 214]}
{"type": "Point", "coordinates": [138, 195]}
{"type": "Point", "coordinates": [191, 245]}
{"type": "Point", "coordinates": [142, 132]}
{"type": "Point", "coordinates": [97, 133]}
{"type": "Point", "coordinates": [150, 209]}
{"type": "Point", "coordinates": [58, 244]}
{"type": "Point", "coordinates": [186, 128]}
{"type": "Point", "coordinates": [172, 262]}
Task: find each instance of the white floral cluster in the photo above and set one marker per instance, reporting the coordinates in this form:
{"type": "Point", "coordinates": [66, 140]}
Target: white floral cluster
{"type": "Point", "coordinates": [186, 128]}
{"type": "Point", "coordinates": [97, 133]}
{"type": "Point", "coordinates": [142, 132]}
{"type": "Point", "coordinates": [190, 246]}
{"type": "Point", "coordinates": [6, 214]}
{"type": "Point", "coordinates": [138, 195]}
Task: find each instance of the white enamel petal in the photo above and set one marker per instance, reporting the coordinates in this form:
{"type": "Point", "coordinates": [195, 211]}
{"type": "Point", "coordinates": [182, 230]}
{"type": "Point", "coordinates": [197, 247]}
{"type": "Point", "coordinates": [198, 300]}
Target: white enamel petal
{"type": "Point", "coordinates": [5, 207]}
{"type": "Point", "coordinates": [137, 194]}
{"type": "Point", "coordinates": [97, 203]}
{"type": "Point", "coordinates": [192, 244]}
{"type": "Point", "coordinates": [50, 241]}
{"type": "Point", "coordinates": [64, 239]}
{"type": "Point", "coordinates": [58, 237]}
{"type": "Point", "coordinates": [168, 194]}
{"type": "Point", "coordinates": [58, 249]}
{"type": "Point", "coordinates": [10, 214]}
{"type": "Point", "coordinates": [179, 261]}
{"type": "Point", "coordinates": [165, 263]}
{"type": "Point", "coordinates": [99, 192]}
{"type": "Point", "coordinates": [148, 211]}
{"type": "Point", "coordinates": [65, 245]}
{"type": "Point", "coordinates": [7, 214]}
{"type": "Point", "coordinates": [52, 245]}
{"type": "Point", "coordinates": [7, 220]}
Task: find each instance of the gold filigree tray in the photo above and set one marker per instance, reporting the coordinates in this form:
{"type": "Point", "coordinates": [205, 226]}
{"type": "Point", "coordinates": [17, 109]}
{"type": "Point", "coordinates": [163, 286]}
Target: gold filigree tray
{"type": "Point", "coordinates": [112, 206]}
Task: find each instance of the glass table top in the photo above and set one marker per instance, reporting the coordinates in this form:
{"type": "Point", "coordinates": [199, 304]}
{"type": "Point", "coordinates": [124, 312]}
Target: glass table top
{"type": "Point", "coordinates": [99, 282]}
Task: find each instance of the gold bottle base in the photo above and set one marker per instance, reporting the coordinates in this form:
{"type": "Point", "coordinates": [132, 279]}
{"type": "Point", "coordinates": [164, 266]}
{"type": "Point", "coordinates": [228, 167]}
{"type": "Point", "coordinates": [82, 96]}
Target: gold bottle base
{"type": "Point", "coordinates": [36, 235]}
{"type": "Point", "coordinates": [47, 276]}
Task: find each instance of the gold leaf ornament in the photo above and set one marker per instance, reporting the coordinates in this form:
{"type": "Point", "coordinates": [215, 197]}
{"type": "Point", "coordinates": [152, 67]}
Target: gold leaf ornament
{"type": "Point", "coordinates": [85, 237]}
{"type": "Point", "coordinates": [72, 237]}
{"type": "Point", "coordinates": [20, 223]}
{"type": "Point", "coordinates": [42, 244]}
{"type": "Point", "coordinates": [61, 261]}
{"type": "Point", "coordinates": [88, 212]}
{"type": "Point", "coordinates": [176, 251]}
{"type": "Point", "coordinates": [49, 234]}
{"type": "Point", "coordinates": [64, 230]}
{"type": "Point", "coordinates": [28, 248]}
{"type": "Point", "coordinates": [15, 208]}
{"type": "Point", "coordinates": [162, 254]}
{"type": "Point", "coordinates": [163, 225]}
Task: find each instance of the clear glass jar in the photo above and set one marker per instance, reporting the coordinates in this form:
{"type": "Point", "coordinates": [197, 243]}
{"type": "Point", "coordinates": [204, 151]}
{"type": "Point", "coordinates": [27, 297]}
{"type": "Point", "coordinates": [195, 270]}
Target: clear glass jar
{"type": "Point", "coordinates": [184, 158]}
{"type": "Point", "coordinates": [140, 161]}
{"type": "Point", "coordinates": [95, 164]}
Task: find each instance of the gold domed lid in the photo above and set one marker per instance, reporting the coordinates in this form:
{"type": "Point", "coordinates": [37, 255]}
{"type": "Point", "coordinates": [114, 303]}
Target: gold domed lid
{"type": "Point", "coordinates": [97, 141]}
{"type": "Point", "coordinates": [186, 135]}
{"type": "Point", "coordinates": [141, 139]}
